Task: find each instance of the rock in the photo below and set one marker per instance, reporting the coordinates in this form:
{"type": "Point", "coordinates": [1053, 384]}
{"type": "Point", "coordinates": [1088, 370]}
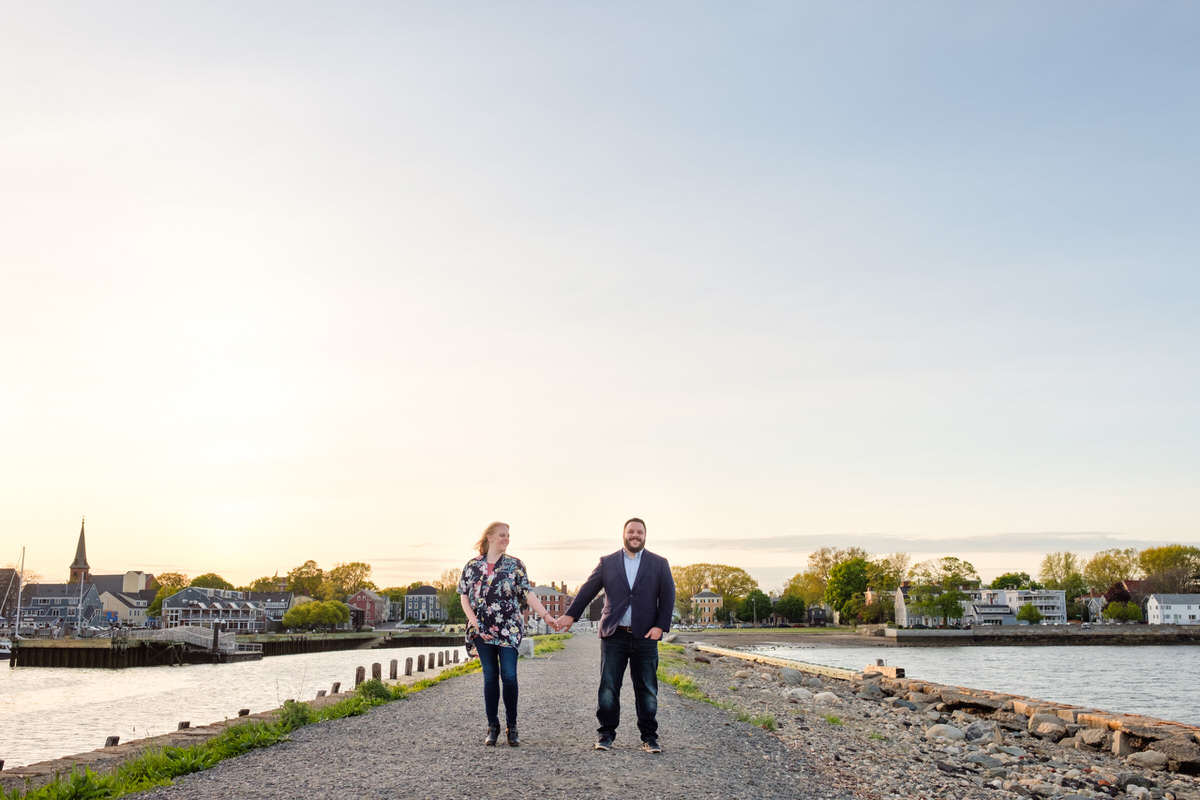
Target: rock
{"type": "Point", "coordinates": [983, 732]}
{"type": "Point", "coordinates": [1183, 753]}
{"type": "Point", "coordinates": [826, 697]}
{"type": "Point", "coordinates": [961, 700]}
{"type": "Point", "coordinates": [1038, 719]}
{"type": "Point", "coordinates": [741, 673]}
{"type": "Point", "coordinates": [1050, 731]}
{"type": "Point", "coordinates": [1138, 793]}
{"type": "Point", "coordinates": [1010, 721]}
{"type": "Point", "coordinates": [525, 648]}
{"type": "Point", "coordinates": [1123, 744]}
{"type": "Point", "coordinates": [798, 693]}
{"type": "Point", "coordinates": [791, 677]}
{"type": "Point", "coordinates": [702, 659]}
{"type": "Point", "coordinates": [1094, 737]}
{"type": "Point", "coordinates": [1148, 759]}
{"type": "Point", "coordinates": [985, 762]}
{"type": "Point", "coordinates": [871, 691]}
{"type": "Point", "coordinates": [1127, 779]}
{"type": "Point", "coordinates": [945, 732]}
{"type": "Point", "coordinates": [813, 683]}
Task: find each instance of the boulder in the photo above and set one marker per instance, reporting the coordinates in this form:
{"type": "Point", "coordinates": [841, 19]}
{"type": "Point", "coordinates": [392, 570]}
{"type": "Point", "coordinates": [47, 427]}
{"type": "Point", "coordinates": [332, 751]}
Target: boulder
{"type": "Point", "coordinates": [945, 732]}
{"type": "Point", "coordinates": [1127, 779]}
{"type": "Point", "coordinates": [1038, 719]}
{"type": "Point", "coordinates": [826, 697]}
{"type": "Point", "coordinates": [983, 732]}
{"type": "Point", "coordinates": [798, 693]}
{"type": "Point", "coordinates": [813, 683]}
{"type": "Point", "coordinates": [1094, 737]}
{"type": "Point", "coordinates": [1182, 752]}
{"type": "Point", "coordinates": [985, 761]}
{"type": "Point", "coordinates": [1010, 721]}
{"type": "Point", "coordinates": [1148, 759]}
{"type": "Point", "coordinates": [525, 648]}
{"type": "Point", "coordinates": [791, 677]}
{"type": "Point", "coordinates": [742, 673]}
{"type": "Point", "coordinates": [1050, 731]}
{"type": "Point", "coordinates": [871, 691]}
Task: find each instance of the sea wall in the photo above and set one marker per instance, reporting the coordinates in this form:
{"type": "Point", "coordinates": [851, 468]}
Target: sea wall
{"type": "Point", "coordinates": [1023, 636]}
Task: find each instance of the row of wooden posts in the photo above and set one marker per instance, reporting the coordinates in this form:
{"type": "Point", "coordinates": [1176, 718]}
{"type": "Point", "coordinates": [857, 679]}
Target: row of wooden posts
{"type": "Point", "coordinates": [442, 658]}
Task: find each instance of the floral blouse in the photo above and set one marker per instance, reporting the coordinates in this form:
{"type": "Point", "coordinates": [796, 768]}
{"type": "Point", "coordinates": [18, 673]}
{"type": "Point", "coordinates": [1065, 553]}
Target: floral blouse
{"type": "Point", "coordinates": [496, 598]}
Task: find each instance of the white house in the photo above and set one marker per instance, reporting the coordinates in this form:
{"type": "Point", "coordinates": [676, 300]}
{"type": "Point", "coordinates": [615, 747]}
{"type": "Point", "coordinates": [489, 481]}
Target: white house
{"type": "Point", "coordinates": [1173, 609]}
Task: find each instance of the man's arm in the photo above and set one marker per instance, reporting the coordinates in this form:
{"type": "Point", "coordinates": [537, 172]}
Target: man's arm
{"type": "Point", "coordinates": [666, 599]}
{"type": "Point", "coordinates": [587, 593]}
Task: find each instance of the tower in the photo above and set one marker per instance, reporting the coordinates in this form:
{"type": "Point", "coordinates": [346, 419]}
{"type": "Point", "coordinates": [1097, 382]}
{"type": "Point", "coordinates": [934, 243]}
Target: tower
{"type": "Point", "coordinates": [80, 571]}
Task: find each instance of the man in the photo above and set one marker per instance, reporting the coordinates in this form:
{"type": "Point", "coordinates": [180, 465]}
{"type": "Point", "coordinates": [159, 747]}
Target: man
{"type": "Point", "coordinates": [639, 595]}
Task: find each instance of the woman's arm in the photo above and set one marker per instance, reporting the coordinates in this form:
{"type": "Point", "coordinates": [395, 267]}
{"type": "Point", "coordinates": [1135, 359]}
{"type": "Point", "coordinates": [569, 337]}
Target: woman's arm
{"type": "Point", "coordinates": [466, 607]}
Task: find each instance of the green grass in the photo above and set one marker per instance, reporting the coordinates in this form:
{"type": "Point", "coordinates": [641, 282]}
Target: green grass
{"type": "Point", "coordinates": [159, 767]}
{"type": "Point", "coordinates": [833, 720]}
{"type": "Point", "coordinates": [878, 736]}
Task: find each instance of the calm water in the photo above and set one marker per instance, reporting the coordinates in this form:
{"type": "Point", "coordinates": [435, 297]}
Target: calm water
{"type": "Point", "coordinates": [49, 713]}
{"type": "Point", "coordinates": [1160, 681]}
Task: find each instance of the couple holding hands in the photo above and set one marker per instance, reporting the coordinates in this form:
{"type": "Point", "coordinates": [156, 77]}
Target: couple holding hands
{"type": "Point", "coordinates": [639, 596]}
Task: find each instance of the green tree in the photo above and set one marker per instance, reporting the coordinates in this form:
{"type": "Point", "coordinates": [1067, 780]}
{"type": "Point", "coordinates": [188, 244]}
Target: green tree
{"type": "Point", "coordinates": [732, 583]}
{"type": "Point", "coordinates": [885, 574]}
{"type": "Point", "coordinates": [756, 607]}
{"type": "Point", "coordinates": [1171, 569]}
{"type": "Point", "coordinates": [211, 580]}
{"type": "Point", "coordinates": [1029, 613]}
{"type": "Point", "coordinates": [447, 589]}
{"type": "Point", "coordinates": [1110, 566]}
{"type": "Point", "coordinates": [1012, 580]}
{"type": "Point", "coordinates": [1123, 612]}
{"type": "Point", "coordinates": [264, 584]}
{"type": "Point", "coordinates": [167, 583]}
{"type": "Point", "coordinates": [307, 579]}
{"type": "Point", "coordinates": [945, 572]}
{"type": "Point", "coordinates": [347, 579]}
{"type": "Point", "coordinates": [877, 612]}
{"type": "Point", "coordinates": [690, 580]}
{"type": "Point", "coordinates": [790, 607]}
{"type": "Point", "coordinates": [846, 579]}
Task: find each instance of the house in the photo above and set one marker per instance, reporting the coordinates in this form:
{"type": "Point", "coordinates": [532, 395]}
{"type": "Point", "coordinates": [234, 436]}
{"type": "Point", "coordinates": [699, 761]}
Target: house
{"type": "Point", "coordinates": [275, 605]}
{"type": "Point", "coordinates": [1050, 603]}
{"type": "Point", "coordinates": [207, 608]}
{"type": "Point", "coordinates": [984, 606]}
{"type": "Point", "coordinates": [987, 614]}
{"type": "Point", "coordinates": [62, 605]}
{"type": "Point", "coordinates": [372, 606]}
{"type": "Point", "coordinates": [704, 606]}
{"type": "Point", "coordinates": [1093, 606]}
{"type": "Point", "coordinates": [553, 597]}
{"type": "Point", "coordinates": [125, 597]}
{"type": "Point", "coordinates": [1173, 609]}
{"type": "Point", "coordinates": [817, 616]}
{"type": "Point", "coordinates": [424, 605]}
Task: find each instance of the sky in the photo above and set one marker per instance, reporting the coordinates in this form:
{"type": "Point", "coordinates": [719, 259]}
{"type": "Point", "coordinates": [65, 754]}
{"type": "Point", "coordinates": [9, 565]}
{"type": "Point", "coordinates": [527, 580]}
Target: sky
{"type": "Point", "coordinates": [292, 280]}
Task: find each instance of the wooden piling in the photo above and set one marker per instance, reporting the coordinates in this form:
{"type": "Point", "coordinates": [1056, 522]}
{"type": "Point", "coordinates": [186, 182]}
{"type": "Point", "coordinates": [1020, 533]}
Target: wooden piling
{"type": "Point", "coordinates": [360, 675]}
{"type": "Point", "coordinates": [395, 669]}
{"type": "Point", "coordinates": [408, 666]}
{"type": "Point", "coordinates": [183, 726]}
{"type": "Point", "coordinates": [421, 663]}
{"type": "Point", "coordinates": [112, 741]}
{"type": "Point", "coordinates": [337, 687]}
{"type": "Point", "coordinates": [377, 671]}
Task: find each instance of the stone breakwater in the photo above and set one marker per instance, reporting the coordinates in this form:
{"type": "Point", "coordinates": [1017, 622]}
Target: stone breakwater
{"type": "Point", "coordinates": [904, 738]}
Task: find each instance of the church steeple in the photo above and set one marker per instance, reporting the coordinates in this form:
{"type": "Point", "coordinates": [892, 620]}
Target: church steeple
{"type": "Point", "coordinates": [80, 571]}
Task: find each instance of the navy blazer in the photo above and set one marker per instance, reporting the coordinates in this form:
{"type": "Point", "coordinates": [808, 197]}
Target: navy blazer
{"type": "Point", "coordinates": [652, 594]}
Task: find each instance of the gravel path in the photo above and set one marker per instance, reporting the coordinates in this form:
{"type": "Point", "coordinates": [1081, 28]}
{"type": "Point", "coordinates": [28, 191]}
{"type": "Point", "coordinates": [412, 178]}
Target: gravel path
{"type": "Point", "coordinates": [430, 746]}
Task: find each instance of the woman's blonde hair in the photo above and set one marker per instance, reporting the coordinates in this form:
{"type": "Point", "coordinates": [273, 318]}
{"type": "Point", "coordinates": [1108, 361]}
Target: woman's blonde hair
{"type": "Point", "coordinates": [482, 544]}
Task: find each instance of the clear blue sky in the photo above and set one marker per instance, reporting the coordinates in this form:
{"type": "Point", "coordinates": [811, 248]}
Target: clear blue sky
{"type": "Point", "coordinates": [347, 282]}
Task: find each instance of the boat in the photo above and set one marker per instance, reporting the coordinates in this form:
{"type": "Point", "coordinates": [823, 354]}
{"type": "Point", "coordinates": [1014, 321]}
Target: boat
{"type": "Point", "coordinates": [5, 648]}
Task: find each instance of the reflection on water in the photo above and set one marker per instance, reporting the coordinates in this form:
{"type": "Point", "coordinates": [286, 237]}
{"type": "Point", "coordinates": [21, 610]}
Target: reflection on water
{"type": "Point", "coordinates": [53, 712]}
{"type": "Point", "coordinates": [1160, 681]}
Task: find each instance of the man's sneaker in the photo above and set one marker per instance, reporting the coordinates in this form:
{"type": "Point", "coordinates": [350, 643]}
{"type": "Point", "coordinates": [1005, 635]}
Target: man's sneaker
{"type": "Point", "coordinates": [604, 743]}
{"type": "Point", "coordinates": [651, 746]}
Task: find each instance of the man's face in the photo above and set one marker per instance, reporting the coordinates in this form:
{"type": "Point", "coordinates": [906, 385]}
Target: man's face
{"type": "Point", "coordinates": [635, 537]}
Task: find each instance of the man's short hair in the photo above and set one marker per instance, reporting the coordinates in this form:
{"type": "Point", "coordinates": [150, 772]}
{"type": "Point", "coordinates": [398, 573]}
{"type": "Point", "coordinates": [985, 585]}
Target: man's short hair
{"type": "Point", "coordinates": [634, 519]}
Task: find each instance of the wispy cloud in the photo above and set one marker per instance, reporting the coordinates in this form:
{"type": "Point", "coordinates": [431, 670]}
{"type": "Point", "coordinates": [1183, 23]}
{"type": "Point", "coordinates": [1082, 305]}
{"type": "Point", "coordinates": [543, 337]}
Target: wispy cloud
{"type": "Point", "coordinates": [1042, 541]}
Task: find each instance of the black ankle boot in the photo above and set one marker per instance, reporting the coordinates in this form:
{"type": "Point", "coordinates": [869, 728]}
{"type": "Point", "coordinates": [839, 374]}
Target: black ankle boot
{"type": "Point", "coordinates": [493, 735]}
{"type": "Point", "coordinates": [513, 739]}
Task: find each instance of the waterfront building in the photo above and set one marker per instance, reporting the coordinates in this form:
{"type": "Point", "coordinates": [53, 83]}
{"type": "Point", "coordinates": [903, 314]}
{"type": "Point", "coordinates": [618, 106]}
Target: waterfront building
{"type": "Point", "coordinates": [80, 571]}
{"type": "Point", "coordinates": [986, 607]}
{"type": "Point", "coordinates": [424, 605]}
{"type": "Point", "coordinates": [370, 605]}
{"type": "Point", "coordinates": [207, 608]}
{"type": "Point", "coordinates": [125, 598]}
{"type": "Point", "coordinates": [1173, 609]}
{"type": "Point", "coordinates": [62, 606]}
{"type": "Point", "coordinates": [555, 599]}
{"type": "Point", "coordinates": [275, 605]}
{"type": "Point", "coordinates": [988, 614]}
{"type": "Point", "coordinates": [704, 606]}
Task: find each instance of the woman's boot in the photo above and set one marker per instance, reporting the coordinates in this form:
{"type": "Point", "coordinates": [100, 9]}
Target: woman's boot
{"type": "Point", "coordinates": [513, 740]}
{"type": "Point", "coordinates": [493, 735]}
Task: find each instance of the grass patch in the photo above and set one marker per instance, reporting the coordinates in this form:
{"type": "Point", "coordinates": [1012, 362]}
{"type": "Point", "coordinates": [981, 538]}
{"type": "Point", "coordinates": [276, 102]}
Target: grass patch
{"type": "Point", "coordinates": [833, 720]}
{"type": "Point", "coordinates": [876, 735]}
{"type": "Point", "coordinates": [764, 721]}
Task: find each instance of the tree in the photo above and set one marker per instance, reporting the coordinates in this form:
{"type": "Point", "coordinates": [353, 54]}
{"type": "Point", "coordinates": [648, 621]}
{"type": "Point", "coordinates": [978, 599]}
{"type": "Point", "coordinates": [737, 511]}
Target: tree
{"type": "Point", "coordinates": [1030, 614]}
{"type": "Point", "coordinates": [938, 591]}
{"type": "Point", "coordinates": [884, 574]}
{"type": "Point", "coordinates": [847, 579]}
{"type": "Point", "coordinates": [394, 593]}
{"type": "Point", "coordinates": [167, 583]}
{"type": "Point", "coordinates": [1012, 580]}
{"type": "Point", "coordinates": [1117, 593]}
{"type": "Point", "coordinates": [690, 580]}
{"type": "Point", "coordinates": [264, 584]}
{"type": "Point", "coordinates": [307, 579]}
{"type": "Point", "coordinates": [211, 580]}
{"type": "Point", "coordinates": [1172, 569]}
{"type": "Point", "coordinates": [346, 579]}
{"type": "Point", "coordinates": [732, 583]}
{"type": "Point", "coordinates": [790, 607]}
{"type": "Point", "coordinates": [756, 607]}
{"type": "Point", "coordinates": [447, 589]}
{"type": "Point", "coordinates": [1110, 566]}
{"type": "Point", "coordinates": [810, 584]}
{"type": "Point", "coordinates": [1057, 568]}
{"type": "Point", "coordinates": [877, 612]}
{"type": "Point", "coordinates": [317, 614]}
{"type": "Point", "coordinates": [945, 572]}
{"type": "Point", "coordinates": [1123, 612]}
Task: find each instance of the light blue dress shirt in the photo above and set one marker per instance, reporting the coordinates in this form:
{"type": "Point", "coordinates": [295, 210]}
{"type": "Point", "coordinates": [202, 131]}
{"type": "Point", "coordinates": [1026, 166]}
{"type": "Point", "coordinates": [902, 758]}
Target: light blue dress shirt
{"type": "Point", "coordinates": [631, 571]}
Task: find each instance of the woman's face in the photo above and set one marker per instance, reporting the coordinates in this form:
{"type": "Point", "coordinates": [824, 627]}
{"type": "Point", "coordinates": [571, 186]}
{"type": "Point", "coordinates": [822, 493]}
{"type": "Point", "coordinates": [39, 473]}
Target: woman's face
{"type": "Point", "coordinates": [498, 540]}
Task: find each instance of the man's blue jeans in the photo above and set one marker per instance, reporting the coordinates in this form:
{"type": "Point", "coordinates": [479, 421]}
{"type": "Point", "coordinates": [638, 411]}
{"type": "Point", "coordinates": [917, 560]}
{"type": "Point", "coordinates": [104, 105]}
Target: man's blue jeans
{"type": "Point", "coordinates": [499, 665]}
{"type": "Point", "coordinates": [617, 652]}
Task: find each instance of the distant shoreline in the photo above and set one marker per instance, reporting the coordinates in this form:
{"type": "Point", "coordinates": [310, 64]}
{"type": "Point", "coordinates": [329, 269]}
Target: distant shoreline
{"type": "Point", "coordinates": [1125, 636]}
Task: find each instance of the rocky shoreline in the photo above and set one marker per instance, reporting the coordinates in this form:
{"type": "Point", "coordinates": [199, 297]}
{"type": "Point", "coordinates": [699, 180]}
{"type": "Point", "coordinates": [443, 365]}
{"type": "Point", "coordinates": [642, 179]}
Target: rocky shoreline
{"type": "Point", "coordinates": [902, 738]}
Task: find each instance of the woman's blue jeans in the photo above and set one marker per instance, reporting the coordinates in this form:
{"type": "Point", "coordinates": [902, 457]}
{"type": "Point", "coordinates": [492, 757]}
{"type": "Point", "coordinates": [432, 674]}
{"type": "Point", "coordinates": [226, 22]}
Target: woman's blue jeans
{"type": "Point", "coordinates": [499, 666]}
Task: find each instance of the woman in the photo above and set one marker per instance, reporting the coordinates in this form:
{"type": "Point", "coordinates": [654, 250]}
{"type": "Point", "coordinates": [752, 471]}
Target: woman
{"type": "Point", "coordinates": [493, 588]}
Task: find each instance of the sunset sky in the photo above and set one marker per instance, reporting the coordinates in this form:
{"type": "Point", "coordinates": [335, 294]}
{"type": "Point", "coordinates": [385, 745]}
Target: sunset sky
{"type": "Point", "coordinates": [347, 282]}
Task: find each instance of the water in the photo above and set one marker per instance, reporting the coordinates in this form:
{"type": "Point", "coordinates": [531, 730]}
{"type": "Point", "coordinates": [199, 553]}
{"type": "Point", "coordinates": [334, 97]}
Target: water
{"type": "Point", "coordinates": [49, 713]}
{"type": "Point", "coordinates": [1161, 681]}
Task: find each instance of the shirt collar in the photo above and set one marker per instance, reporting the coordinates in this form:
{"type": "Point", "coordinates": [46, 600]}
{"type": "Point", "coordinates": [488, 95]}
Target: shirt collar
{"type": "Point", "coordinates": [628, 557]}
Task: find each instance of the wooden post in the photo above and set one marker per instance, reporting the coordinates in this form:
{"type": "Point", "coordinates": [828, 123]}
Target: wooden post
{"type": "Point", "coordinates": [112, 741]}
{"type": "Point", "coordinates": [320, 693]}
{"type": "Point", "coordinates": [337, 687]}
{"type": "Point", "coordinates": [429, 663]}
{"type": "Point", "coordinates": [183, 726]}
{"type": "Point", "coordinates": [243, 712]}
{"type": "Point", "coordinates": [441, 658]}
{"type": "Point", "coordinates": [360, 675]}
{"type": "Point", "coordinates": [395, 668]}
{"type": "Point", "coordinates": [421, 663]}
{"type": "Point", "coordinates": [408, 666]}
{"type": "Point", "coordinates": [455, 656]}
{"type": "Point", "coordinates": [377, 671]}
